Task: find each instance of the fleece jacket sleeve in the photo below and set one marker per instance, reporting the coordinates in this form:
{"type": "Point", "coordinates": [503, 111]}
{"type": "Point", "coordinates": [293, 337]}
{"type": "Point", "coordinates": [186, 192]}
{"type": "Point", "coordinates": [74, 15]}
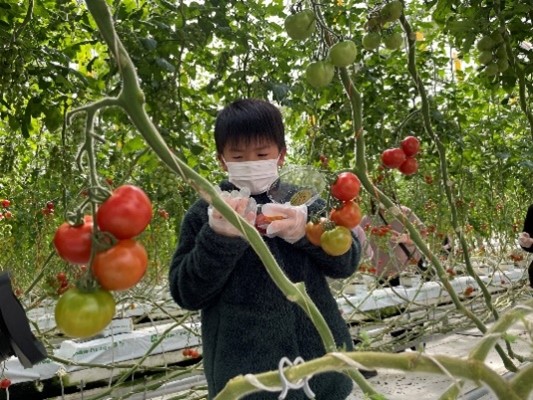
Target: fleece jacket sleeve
{"type": "Point", "coordinates": [203, 260]}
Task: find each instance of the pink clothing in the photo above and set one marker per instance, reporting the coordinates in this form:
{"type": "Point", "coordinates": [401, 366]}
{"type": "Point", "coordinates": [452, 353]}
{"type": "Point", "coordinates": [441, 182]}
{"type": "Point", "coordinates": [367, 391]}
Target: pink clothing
{"type": "Point", "coordinates": [389, 258]}
{"type": "Point", "coordinates": [366, 249]}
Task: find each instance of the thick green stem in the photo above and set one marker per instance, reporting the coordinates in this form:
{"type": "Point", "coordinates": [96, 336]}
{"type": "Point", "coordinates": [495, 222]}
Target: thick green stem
{"type": "Point", "coordinates": [131, 99]}
{"type": "Point", "coordinates": [474, 370]}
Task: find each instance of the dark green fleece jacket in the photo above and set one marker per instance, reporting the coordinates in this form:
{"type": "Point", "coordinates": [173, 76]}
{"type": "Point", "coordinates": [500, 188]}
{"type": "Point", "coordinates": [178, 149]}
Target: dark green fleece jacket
{"type": "Point", "coordinates": [247, 323]}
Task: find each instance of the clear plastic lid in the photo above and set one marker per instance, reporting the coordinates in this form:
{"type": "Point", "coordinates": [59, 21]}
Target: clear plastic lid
{"type": "Point", "coordinates": [297, 185]}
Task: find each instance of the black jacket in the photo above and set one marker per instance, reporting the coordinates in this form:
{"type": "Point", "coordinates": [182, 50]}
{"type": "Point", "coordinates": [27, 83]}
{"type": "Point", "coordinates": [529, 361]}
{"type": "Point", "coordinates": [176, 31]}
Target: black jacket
{"type": "Point", "coordinates": [247, 323]}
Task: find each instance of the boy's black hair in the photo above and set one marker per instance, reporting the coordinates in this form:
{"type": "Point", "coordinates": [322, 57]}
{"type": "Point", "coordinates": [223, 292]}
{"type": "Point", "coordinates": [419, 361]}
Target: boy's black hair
{"type": "Point", "coordinates": [249, 120]}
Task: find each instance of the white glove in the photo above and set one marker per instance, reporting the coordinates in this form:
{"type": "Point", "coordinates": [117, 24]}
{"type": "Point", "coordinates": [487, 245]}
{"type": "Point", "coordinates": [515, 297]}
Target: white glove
{"type": "Point", "coordinates": [524, 240]}
{"type": "Point", "coordinates": [242, 203]}
{"type": "Point", "coordinates": [292, 227]}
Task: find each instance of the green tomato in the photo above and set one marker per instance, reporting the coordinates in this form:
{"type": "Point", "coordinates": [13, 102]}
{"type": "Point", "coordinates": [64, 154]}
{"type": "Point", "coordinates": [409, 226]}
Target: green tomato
{"type": "Point", "coordinates": [393, 41]}
{"type": "Point", "coordinates": [485, 57]}
{"type": "Point", "coordinates": [485, 43]}
{"type": "Point", "coordinates": [371, 40]}
{"type": "Point", "coordinates": [319, 74]}
{"type": "Point", "coordinates": [391, 11]}
{"type": "Point", "coordinates": [301, 25]}
{"type": "Point", "coordinates": [501, 52]}
{"type": "Point", "coordinates": [81, 314]}
{"type": "Point", "coordinates": [336, 241]}
{"type": "Point", "coordinates": [342, 54]}
{"type": "Point", "coordinates": [492, 69]}
{"type": "Point", "coordinates": [502, 64]}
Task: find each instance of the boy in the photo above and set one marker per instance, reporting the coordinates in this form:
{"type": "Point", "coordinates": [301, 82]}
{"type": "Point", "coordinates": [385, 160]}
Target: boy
{"type": "Point", "coordinates": [247, 323]}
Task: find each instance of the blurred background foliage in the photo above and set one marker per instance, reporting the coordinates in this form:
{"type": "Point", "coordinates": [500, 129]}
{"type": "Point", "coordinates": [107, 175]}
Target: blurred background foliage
{"type": "Point", "coordinates": [195, 57]}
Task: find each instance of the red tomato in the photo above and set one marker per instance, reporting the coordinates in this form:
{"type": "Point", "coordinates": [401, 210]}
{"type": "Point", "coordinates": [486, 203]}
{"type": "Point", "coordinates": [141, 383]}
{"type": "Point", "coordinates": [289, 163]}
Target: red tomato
{"type": "Point", "coordinates": [61, 277]}
{"type": "Point", "coordinates": [82, 314]}
{"type": "Point", "coordinates": [126, 213]}
{"type": "Point", "coordinates": [410, 146]}
{"type": "Point", "coordinates": [393, 158]}
{"type": "Point", "coordinates": [409, 166]}
{"type": "Point", "coordinates": [73, 243]}
{"type": "Point", "coordinates": [120, 267]}
{"type": "Point", "coordinates": [348, 215]}
{"type": "Point", "coordinates": [6, 203]}
{"type": "Point", "coordinates": [50, 205]}
{"type": "Point", "coordinates": [5, 383]}
{"type": "Point", "coordinates": [8, 214]}
{"type": "Point", "coordinates": [346, 187]}
{"type": "Point", "coordinates": [336, 241]}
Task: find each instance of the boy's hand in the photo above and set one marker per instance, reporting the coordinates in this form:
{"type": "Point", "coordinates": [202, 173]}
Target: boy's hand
{"type": "Point", "coordinates": [524, 240]}
{"type": "Point", "coordinates": [292, 227]}
{"type": "Point", "coordinates": [242, 203]}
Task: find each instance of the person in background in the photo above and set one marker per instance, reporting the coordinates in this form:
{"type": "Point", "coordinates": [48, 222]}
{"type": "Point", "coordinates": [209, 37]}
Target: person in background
{"type": "Point", "coordinates": [248, 325]}
{"type": "Point", "coordinates": [367, 252]}
{"type": "Point", "coordinates": [393, 250]}
{"type": "Point", "coordinates": [526, 241]}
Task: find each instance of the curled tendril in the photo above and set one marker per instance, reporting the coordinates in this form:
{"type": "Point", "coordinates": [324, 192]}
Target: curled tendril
{"type": "Point", "coordinates": [98, 194]}
{"type": "Point", "coordinates": [103, 241]}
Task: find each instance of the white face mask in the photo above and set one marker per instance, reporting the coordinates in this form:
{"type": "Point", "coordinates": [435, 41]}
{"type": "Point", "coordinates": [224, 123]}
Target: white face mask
{"type": "Point", "coordinates": [254, 175]}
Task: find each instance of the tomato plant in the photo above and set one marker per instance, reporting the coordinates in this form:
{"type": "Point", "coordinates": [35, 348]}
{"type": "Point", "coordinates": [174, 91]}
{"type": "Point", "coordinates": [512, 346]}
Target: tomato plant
{"type": "Point", "coordinates": [336, 241]}
{"type": "Point", "coordinates": [393, 158]}
{"type": "Point", "coordinates": [319, 74]}
{"type": "Point", "coordinates": [410, 146]}
{"type": "Point", "coordinates": [120, 267]}
{"type": "Point", "coordinates": [126, 213]}
{"type": "Point", "coordinates": [82, 314]}
{"type": "Point", "coordinates": [348, 215]}
{"type": "Point", "coordinates": [314, 230]}
{"type": "Point", "coordinates": [346, 186]}
{"type": "Point", "coordinates": [409, 166]}
{"type": "Point", "coordinates": [73, 242]}
{"type": "Point", "coordinates": [301, 25]}
{"type": "Point", "coordinates": [342, 54]}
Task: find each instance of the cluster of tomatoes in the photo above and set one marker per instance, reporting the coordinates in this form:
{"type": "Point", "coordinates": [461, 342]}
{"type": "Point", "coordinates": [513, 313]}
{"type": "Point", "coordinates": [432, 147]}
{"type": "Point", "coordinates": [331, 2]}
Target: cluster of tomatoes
{"type": "Point", "coordinates": [119, 261]}
{"type": "Point", "coordinates": [190, 353]}
{"type": "Point", "coordinates": [377, 27]}
{"type": "Point", "coordinates": [49, 208]}
{"type": "Point", "coordinates": [300, 26]}
{"type": "Point", "coordinates": [403, 157]}
{"type": "Point", "coordinates": [5, 212]}
{"type": "Point", "coordinates": [333, 234]}
{"type": "Point", "coordinates": [379, 230]}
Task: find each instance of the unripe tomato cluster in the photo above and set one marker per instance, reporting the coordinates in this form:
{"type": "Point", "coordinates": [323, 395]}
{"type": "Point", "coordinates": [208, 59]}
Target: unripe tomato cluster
{"type": "Point", "coordinates": [403, 157]}
{"type": "Point", "coordinates": [333, 234]}
{"type": "Point", "coordinates": [377, 27]}
{"type": "Point", "coordinates": [300, 26]}
{"type": "Point", "coordinates": [120, 218]}
{"type": "Point", "coordinates": [492, 54]}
